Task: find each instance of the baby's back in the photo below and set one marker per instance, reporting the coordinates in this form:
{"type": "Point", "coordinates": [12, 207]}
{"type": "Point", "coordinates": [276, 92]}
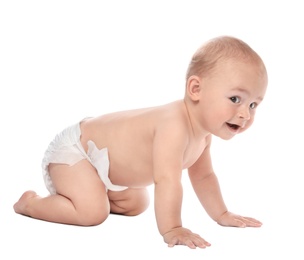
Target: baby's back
{"type": "Point", "coordinates": [128, 135]}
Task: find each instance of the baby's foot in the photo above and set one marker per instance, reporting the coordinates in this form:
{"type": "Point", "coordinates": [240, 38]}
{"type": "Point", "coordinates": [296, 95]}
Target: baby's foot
{"type": "Point", "coordinates": [21, 204]}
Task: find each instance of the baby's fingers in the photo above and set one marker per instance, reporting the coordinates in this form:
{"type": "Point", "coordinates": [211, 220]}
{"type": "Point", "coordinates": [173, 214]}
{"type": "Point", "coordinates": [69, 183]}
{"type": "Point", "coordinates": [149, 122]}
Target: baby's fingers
{"type": "Point", "coordinates": [251, 222]}
{"type": "Point", "coordinates": [173, 242]}
{"type": "Point", "coordinates": [189, 242]}
{"type": "Point", "coordinates": [201, 243]}
{"type": "Point", "coordinates": [233, 220]}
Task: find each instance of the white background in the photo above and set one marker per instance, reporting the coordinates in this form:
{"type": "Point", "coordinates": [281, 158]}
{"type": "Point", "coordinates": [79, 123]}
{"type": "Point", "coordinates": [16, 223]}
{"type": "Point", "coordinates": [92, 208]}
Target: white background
{"type": "Point", "coordinates": [63, 60]}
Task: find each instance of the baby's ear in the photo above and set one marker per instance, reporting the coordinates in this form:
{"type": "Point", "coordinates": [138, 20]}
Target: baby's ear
{"type": "Point", "coordinates": [193, 88]}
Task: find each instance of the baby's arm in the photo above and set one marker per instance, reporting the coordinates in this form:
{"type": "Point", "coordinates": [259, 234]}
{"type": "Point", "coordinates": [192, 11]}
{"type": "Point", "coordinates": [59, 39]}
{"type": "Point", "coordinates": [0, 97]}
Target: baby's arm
{"type": "Point", "coordinates": [168, 151]}
{"type": "Point", "coordinates": [207, 189]}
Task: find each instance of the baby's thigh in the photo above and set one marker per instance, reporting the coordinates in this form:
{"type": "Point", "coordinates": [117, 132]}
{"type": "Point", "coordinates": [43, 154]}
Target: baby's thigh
{"type": "Point", "coordinates": [81, 184]}
{"type": "Point", "coordinates": [129, 202]}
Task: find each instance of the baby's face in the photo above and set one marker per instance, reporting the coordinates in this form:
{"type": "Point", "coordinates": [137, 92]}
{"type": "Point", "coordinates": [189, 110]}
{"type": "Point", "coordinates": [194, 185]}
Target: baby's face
{"type": "Point", "coordinates": [230, 97]}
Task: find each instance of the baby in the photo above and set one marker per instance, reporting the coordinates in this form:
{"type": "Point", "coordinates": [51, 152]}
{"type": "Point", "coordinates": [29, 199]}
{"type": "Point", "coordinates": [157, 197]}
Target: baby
{"type": "Point", "coordinates": [103, 165]}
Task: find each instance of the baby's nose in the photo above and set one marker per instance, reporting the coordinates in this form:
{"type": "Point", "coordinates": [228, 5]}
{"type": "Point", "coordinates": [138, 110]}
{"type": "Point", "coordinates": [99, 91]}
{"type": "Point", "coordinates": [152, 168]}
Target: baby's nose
{"type": "Point", "coordinates": [244, 113]}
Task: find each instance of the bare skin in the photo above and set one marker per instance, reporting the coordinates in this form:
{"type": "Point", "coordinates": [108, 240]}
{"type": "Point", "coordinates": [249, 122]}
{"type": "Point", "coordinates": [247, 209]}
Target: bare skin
{"type": "Point", "coordinates": [153, 146]}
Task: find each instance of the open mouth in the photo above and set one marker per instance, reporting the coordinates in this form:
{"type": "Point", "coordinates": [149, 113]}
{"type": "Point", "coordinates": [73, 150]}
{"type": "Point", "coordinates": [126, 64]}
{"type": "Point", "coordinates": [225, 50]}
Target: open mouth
{"type": "Point", "coordinates": [233, 126]}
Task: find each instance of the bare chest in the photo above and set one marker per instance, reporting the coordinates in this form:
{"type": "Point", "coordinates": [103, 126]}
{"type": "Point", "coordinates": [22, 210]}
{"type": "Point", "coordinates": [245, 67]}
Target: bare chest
{"type": "Point", "coordinates": [193, 152]}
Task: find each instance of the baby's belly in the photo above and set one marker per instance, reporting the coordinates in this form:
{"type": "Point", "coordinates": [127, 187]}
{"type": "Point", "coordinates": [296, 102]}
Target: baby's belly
{"type": "Point", "coordinates": [133, 178]}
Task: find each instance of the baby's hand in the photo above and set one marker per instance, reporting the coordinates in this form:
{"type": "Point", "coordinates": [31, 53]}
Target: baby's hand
{"type": "Point", "coordinates": [183, 236]}
{"type": "Point", "coordinates": [233, 220]}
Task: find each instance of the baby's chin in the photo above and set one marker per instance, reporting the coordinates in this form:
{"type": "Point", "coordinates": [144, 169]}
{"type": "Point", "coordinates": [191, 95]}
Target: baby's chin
{"type": "Point", "coordinates": [226, 138]}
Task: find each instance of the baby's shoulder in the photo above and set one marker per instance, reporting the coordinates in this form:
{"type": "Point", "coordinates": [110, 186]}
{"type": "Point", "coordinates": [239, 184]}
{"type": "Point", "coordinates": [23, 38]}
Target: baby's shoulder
{"type": "Point", "coordinates": [172, 118]}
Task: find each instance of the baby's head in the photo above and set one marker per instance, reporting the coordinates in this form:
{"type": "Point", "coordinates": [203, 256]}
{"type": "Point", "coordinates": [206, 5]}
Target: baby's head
{"type": "Point", "coordinates": [220, 49]}
{"type": "Point", "coordinates": [226, 81]}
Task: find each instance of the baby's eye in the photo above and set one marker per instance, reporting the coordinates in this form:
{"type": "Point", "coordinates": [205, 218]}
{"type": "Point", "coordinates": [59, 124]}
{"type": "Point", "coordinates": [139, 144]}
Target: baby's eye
{"type": "Point", "coordinates": [253, 105]}
{"type": "Point", "coordinates": [235, 99]}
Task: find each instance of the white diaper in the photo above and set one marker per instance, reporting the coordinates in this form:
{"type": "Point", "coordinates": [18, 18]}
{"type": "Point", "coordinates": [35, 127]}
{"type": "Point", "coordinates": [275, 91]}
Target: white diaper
{"type": "Point", "coordinates": [67, 149]}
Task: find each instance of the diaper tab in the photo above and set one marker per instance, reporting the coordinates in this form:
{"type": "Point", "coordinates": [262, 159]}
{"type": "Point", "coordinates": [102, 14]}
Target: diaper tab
{"type": "Point", "coordinates": [100, 160]}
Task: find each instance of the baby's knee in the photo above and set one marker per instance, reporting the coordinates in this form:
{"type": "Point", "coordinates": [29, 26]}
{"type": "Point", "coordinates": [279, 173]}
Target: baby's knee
{"type": "Point", "coordinates": [95, 219]}
{"type": "Point", "coordinates": [141, 203]}
{"type": "Point", "coordinates": [136, 202]}
{"type": "Point", "coordinates": [94, 215]}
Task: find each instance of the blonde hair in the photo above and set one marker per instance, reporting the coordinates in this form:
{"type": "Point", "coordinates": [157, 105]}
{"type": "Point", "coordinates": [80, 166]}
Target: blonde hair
{"type": "Point", "coordinates": [219, 49]}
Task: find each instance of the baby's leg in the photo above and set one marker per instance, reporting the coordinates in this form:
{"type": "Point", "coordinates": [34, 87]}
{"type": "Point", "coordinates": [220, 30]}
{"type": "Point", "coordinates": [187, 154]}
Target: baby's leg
{"type": "Point", "coordinates": [129, 202]}
{"type": "Point", "coordinates": [81, 197]}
